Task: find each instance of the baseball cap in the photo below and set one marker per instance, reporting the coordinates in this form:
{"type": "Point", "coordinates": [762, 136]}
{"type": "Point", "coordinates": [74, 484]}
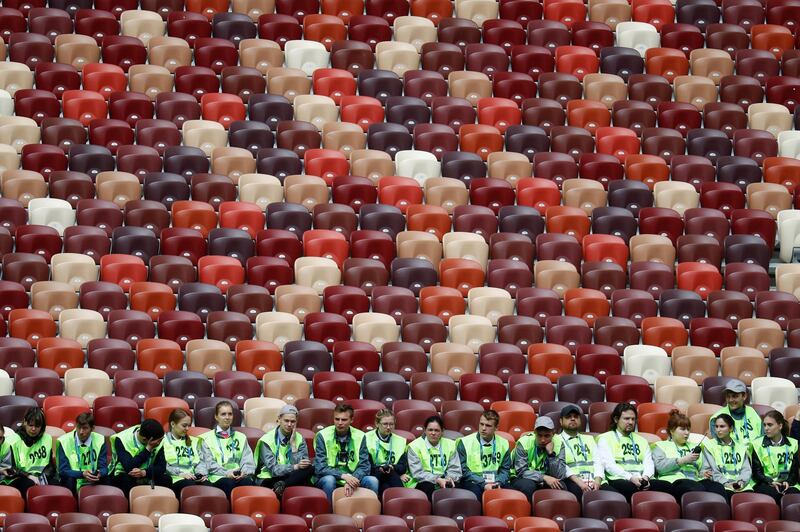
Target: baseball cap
{"type": "Point", "coordinates": [736, 386]}
{"type": "Point", "coordinates": [544, 422]}
{"type": "Point", "coordinates": [570, 409]}
{"type": "Point", "coordinates": [287, 409]}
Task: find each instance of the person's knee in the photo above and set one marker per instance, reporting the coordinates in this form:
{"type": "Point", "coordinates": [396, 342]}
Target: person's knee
{"type": "Point", "coordinates": [370, 482]}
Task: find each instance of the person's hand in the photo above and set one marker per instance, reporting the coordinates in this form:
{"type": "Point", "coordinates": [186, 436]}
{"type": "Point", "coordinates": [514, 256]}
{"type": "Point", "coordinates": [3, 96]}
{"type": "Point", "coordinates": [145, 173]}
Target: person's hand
{"type": "Point", "coordinates": [636, 480]}
{"type": "Point", "coordinates": [441, 482]}
{"type": "Point", "coordinates": [348, 490]}
{"type": "Point", "coordinates": [153, 443]}
{"type": "Point", "coordinates": [707, 474]}
{"type": "Point", "coordinates": [598, 481]}
{"type": "Point", "coordinates": [549, 447]}
{"type": "Point", "coordinates": [351, 481]}
{"type": "Point", "coordinates": [552, 482]}
{"type": "Point", "coordinates": [233, 475]}
{"type": "Point", "coordinates": [405, 478]}
{"type": "Point", "coordinates": [33, 478]}
{"type": "Point", "coordinates": [688, 459]}
{"type": "Point", "coordinates": [200, 478]}
{"type": "Point", "coordinates": [88, 475]}
{"type": "Point", "coordinates": [584, 486]}
{"type": "Point", "coordinates": [188, 476]}
{"type": "Point", "coordinates": [303, 464]}
{"type": "Point", "coordinates": [5, 471]}
{"type": "Point", "coordinates": [137, 473]}
{"type": "Point", "coordinates": [489, 486]}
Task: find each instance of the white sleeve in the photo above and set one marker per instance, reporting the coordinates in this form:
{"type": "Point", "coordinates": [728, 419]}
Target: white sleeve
{"type": "Point", "coordinates": [649, 467]}
{"type": "Point", "coordinates": [608, 463]}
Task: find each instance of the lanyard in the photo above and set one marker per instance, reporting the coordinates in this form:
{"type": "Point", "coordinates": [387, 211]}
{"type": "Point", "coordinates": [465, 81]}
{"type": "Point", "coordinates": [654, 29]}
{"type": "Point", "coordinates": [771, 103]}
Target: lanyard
{"type": "Point", "coordinates": [220, 447]}
{"type": "Point", "coordinates": [339, 449]}
{"type": "Point", "coordinates": [583, 451]}
{"type": "Point", "coordinates": [439, 454]}
{"type": "Point", "coordinates": [786, 456]}
{"type": "Point", "coordinates": [279, 444]}
{"type": "Point", "coordinates": [78, 446]}
{"type": "Point", "coordinates": [378, 447]}
{"type": "Point", "coordinates": [494, 447]}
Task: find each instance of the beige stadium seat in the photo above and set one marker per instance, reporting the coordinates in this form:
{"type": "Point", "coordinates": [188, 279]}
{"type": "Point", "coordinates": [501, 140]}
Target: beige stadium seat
{"type": "Point", "coordinates": [208, 357]}
{"type": "Point", "coordinates": [652, 248]}
{"type": "Point", "coordinates": [472, 331]}
{"type": "Point", "coordinates": [472, 86]}
{"type": "Point", "coordinates": [22, 185]}
{"type": "Point", "coordinates": [19, 131]}
{"type": "Point", "coordinates": [419, 245]}
{"type": "Point", "coordinates": [771, 117]}
{"type": "Point", "coordinates": [676, 195]}
{"type": "Point", "coordinates": [647, 361]}
{"type": "Point", "coordinates": [297, 300]}
{"type": "Point", "coordinates": [509, 166]}
{"type": "Point", "coordinates": [770, 197]}
{"type": "Point", "coordinates": [372, 164]}
{"type": "Point", "coordinates": [181, 523]}
{"type": "Point", "coordinates": [261, 189]}
{"type": "Point", "coordinates": [446, 192]}
{"type": "Point", "coordinates": [585, 194]}
{"type": "Point", "coordinates": [491, 303]}
{"type": "Point", "coordinates": [773, 391]}
{"type": "Point", "coordinates": [306, 190]}
{"type": "Point", "coordinates": [375, 328]}
{"type": "Point", "coordinates": [278, 328]}
{"type": "Point", "coordinates": [288, 82]}
{"type": "Point", "coordinates": [169, 52]}
{"type": "Point", "coordinates": [461, 245]}
{"type": "Point", "coordinates": [700, 415]}
{"type": "Point", "coordinates": [118, 187]}
{"type": "Point", "coordinates": [253, 8]}
{"type": "Point", "coordinates": [604, 88]}
{"type": "Point", "coordinates": [361, 503]}
{"type": "Point", "coordinates": [144, 25]}
{"type": "Point", "coordinates": [150, 80]}
{"type": "Point", "coordinates": [87, 383]}
{"type": "Point", "coordinates": [286, 386]}
{"type": "Point", "coordinates": [6, 383]}
{"type": "Point", "coordinates": [711, 63]}
{"type": "Point", "coordinates": [556, 275]}
{"type": "Point", "coordinates": [344, 137]}
{"type": "Point", "coordinates": [153, 502]}
{"type": "Point", "coordinates": [129, 523]}
{"type": "Point", "coordinates": [399, 57]}
{"type": "Point", "coordinates": [261, 54]}
{"type": "Point", "coordinates": [233, 163]}
{"type": "Point", "coordinates": [414, 30]}
{"type": "Point", "coordinates": [680, 391]}
{"type": "Point", "coordinates": [262, 412]}
{"type": "Point", "coordinates": [53, 297]}
{"type": "Point", "coordinates": [694, 362]}
{"type": "Point", "coordinates": [73, 269]}
{"type": "Point", "coordinates": [317, 273]}
{"type": "Point", "coordinates": [81, 325]}
{"type": "Point", "coordinates": [762, 334]}
{"type": "Point", "coordinates": [743, 363]}
{"type": "Point", "coordinates": [318, 110]}
{"type": "Point", "coordinates": [76, 50]}
{"type": "Point", "coordinates": [204, 134]}
{"type": "Point", "coordinates": [15, 76]}
{"type": "Point", "coordinates": [449, 358]}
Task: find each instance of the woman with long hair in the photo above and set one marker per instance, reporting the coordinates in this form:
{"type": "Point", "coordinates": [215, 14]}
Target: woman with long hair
{"type": "Point", "coordinates": [433, 462]}
{"type": "Point", "coordinates": [232, 461]}
{"type": "Point", "coordinates": [31, 452]}
{"type": "Point", "coordinates": [726, 462]}
{"type": "Point", "coordinates": [187, 459]}
{"type": "Point", "coordinates": [775, 460]}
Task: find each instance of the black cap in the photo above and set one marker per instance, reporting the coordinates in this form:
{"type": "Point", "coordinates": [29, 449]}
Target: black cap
{"type": "Point", "coordinates": [570, 409]}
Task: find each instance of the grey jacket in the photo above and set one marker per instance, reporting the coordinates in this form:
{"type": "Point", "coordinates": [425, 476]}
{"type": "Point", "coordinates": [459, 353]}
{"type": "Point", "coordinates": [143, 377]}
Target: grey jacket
{"type": "Point", "coordinates": [323, 469]}
{"type": "Point", "coordinates": [554, 466]}
{"type": "Point", "coordinates": [453, 471]}
{"type": "Point", "coordinates": [247, 464]}
{"type": "Point", "coordinates": [269, 461]}
{"type": "Point", "coordinates": [709, 464]}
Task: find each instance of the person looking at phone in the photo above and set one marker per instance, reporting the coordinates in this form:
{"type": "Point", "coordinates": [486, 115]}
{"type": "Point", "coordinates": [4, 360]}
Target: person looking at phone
{"type": "Point", "coordinates": [283, 455]}
{"type": "Point", "coordinates": [626, 456]}
{"type": "Point", "coordinates": [232, 462]}
{"type": "Point", "coordinates": [133, 453]}
{"type": "Point", "coordinates": [187, 459]}
{"type": "Point", "coordinates": [341, 457]}
{"type": "Point", "coordinates": [432, 459]}
{"type": "Point", "coordinates": [485, 457]}
{"type": "Point", "coordinates": [726, 462]}
{"type": "Point", "coordinates": [82, 457]}
{"type": "Point", "coordinates": [677, 461]}
{"type": "Point", "coordinates": [539, 460]}
{"type": "Point", "coordinates": [387, 453]}
{"type": "Point", "coordinates": [775, 460]}
{"type": "Point", "coordinates": [32, 452]}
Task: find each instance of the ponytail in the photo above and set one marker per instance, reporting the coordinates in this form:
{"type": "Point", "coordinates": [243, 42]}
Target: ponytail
{"type": "Point", "coordinates": [175, 417]}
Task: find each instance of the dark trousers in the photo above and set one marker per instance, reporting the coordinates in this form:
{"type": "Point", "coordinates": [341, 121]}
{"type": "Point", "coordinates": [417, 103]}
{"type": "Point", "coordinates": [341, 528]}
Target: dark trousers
{"type": "Point", "coordinates": [177, 487]}
{"type": "Point", "coordinates": [719, 489]}
{"type": "Point", "coordinates": [387, 480]}
{"type": "Point", "coordinates": [126, 483]}
{"type": "Point", "coordinates": [298, 477]}
{"type": "Point", "coordinates": [72, 483]}
{"type": "Point", "coordinates": [22, 484]}
{"type": "Point", "coordinates": [427, 488]}
{"type": "Point", "coordinates": [528, 487]}
{"type": "Point", "coordinates": [573, 488]}
{"type": "Point", "coordinates": [628, 488]}
{"type": "Point", "coordinates": [767, 489]}
{"type": "Point", "coordinates": [680, 487]}
{"type": "Point", "coordinates": [475, 488]}
{"type": "Point", "coordinates": [227, 484]}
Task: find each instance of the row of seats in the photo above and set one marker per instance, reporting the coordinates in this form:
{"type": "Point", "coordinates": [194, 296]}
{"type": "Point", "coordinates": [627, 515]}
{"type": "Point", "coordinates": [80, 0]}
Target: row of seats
{"type": "Point", "coordinates": [256, 508]}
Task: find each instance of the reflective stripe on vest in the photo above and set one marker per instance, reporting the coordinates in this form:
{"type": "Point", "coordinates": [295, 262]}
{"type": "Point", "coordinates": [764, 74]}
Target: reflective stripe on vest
{"type": "Point", "coordinates": [84, 458]}
{"type": "Point", "coordinates": [34, 459]}
{"type": "Point", "coordinates": [227, 452]}
{"type": "Point", "coordinates": [282, 456]}
{"type": "Point", "coordinates": [382, 452]}
{"type": "Point", "coordinates": [478, 459]}
{"type": "Point", "coordinates": [776, 460]}
{"type": "Point", "coordinates": [434, 459]}
{"type": "Point", "coordinates": [728, 458]}
{"type": "Point", "coordinates": [690, 470]}
{"type": "Point", "coordinates": [747, 429]}
{"type": "Point", "coordinates": [181, 456]}
{"type": "Point", "coordinates": [628, 452]}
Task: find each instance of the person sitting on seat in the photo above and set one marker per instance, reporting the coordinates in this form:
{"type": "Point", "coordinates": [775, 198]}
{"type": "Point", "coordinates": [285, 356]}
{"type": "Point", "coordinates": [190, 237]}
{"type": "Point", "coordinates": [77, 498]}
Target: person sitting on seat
{"type": "Point", "coordinates": [341, 457]}
{"type": "Point", "coordinates": [133, 453]}
{"type": "Point", "coordinates": [283, 455]}
{"type": "Point", "coordinates": [726, 462]}
{"type": "Point", "coordinates": [539, 460]}
{"type": "Point", "coordinates": [387, 453]}
{"type": "Point", "coordinates": [485, 457]}
{"type": "Point", "coordinates": [432, 459]}
{"type": "Point", "coordinates": [82, 456]}
{"type": "Point", "coordinates": [7, 470]}
{"type": "Point", "coordinates": [232, 462]}
{"type": "Point", "coordinates": [677, 462]}
{"type": "Point", "coordinates": [32, 452]}
{"type": "Point", "coordinates": [187, 459]}
{"type": "Point", "coordinates": [584, 472]}
{"type": "Point", "coordinates": [775, 459]}
{"type": "Point", "coordinates": [626, 456]}
{"type": "Point", "coordinates": [747, 423]}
